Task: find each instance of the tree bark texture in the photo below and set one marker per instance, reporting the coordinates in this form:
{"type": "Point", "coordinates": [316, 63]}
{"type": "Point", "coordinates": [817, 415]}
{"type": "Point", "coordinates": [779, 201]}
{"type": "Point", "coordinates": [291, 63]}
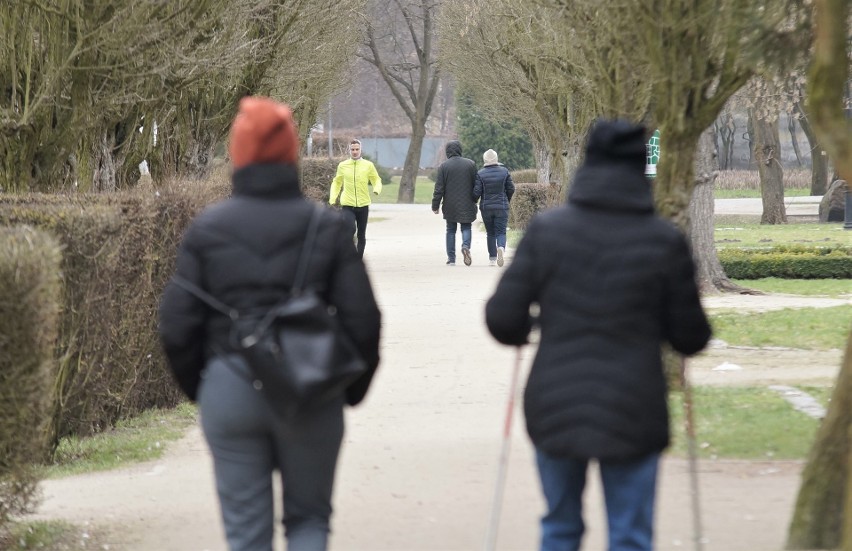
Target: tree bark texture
{"type": "Point", "coordinates": [819, 159]}
{"type": "Point", "coordinates": [709, 274]}
{"type": "Point", "coordinates": [794, 140]}
{"type": "Point", "coordinates": [412, 164]}
{"type": "Point", "coordinates": [819, 514]}
{"type": "Point", "coordinates": [821, 519]}
{"type": "Point", "coordinates": [767, 153]}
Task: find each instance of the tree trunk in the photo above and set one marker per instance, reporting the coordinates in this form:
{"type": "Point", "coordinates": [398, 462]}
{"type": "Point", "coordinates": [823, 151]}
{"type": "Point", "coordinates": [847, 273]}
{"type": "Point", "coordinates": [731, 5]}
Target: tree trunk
{"type": "Point", "coordinates": [412, 163]}
{"type": "Point", "coordinates": [794, 139]}
{"type": "Point", "coordinates": [726, 128]}
{"type": "Point", "coordinates": [674, 182]}
{"type": "Point", "coordinates": [767, 154]}
{"type": "Point", "coordinates": [819, 160]}
{"type": "Point", "coordinates": [819, 514]}
{"type": "Point", "coordinates": [710, 276]}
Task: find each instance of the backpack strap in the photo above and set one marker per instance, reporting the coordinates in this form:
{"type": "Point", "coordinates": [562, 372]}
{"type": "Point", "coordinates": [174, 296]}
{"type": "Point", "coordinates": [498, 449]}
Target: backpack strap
{"type": "Point", "coordinates": [301, 272]}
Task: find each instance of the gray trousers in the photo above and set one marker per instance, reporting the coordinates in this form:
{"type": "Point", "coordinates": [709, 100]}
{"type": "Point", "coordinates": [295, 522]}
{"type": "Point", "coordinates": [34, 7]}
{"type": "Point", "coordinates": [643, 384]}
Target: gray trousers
{"type": "Point", "coordinates": [249, 442]}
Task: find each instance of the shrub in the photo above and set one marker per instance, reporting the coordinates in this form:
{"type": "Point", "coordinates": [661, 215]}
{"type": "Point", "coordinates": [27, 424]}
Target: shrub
{"type": "Point", "coordinates": [529, 199]}
{"type": "Point", "coordinates": [118, 251]}
{"type": "Point", "coordinates": [316, 176]}
{"type": "Point", "coordinates": [526, 176]}
{"type": "Point", "coordinates": [29, 295]}
{"type": "Point", "coordinates": [788, 262]}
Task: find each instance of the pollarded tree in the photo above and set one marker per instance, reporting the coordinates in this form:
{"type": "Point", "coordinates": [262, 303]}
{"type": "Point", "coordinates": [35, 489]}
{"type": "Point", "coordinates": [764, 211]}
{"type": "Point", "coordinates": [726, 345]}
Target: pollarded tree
{"type": "Point", "coordinates": [401, 43]}
{"type": "Point", "coordinates": [823, 515]}
{"type": "Point", "coordinates": [694, 55]}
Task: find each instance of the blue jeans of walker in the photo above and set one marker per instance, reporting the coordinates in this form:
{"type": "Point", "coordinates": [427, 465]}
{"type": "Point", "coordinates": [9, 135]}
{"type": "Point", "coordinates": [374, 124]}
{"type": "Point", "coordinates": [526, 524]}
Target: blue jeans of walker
{"type": "Point", "coordinates": [495, 230]}
{"type": "Point", "coordinates": [451, 238]}
{"type": "Point", "coordinates": [629, 491]}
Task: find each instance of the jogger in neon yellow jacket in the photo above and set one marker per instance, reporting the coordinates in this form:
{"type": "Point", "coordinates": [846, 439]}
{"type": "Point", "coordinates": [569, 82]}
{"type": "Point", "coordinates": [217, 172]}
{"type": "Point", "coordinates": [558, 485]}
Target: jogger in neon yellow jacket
{"type": "Point", "coordinates": [350, 185]}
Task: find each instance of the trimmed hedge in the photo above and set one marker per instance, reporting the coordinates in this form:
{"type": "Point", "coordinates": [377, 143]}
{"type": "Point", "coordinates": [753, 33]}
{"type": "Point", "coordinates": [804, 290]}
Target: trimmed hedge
{"type": "Point", "coordinates": [118, 252]}
{"type": "Point", "coordinates": [529, 199]}
{"type": "Point", "coordinates": [789, 262]}
{"type": "Point", "coordinates": [31, 286]}
{"type": "Point", "coordinates": [316, 176]}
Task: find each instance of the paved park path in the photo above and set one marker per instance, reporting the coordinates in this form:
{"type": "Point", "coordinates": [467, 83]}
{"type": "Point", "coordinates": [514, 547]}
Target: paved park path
{"type": "Point", "coordinates": [420, 456]}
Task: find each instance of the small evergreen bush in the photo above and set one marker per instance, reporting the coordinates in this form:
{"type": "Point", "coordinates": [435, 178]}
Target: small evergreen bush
{"type": "Point", "coordinates": [788, 262]}
{"type": "Point", "coordinates": [530, 199]}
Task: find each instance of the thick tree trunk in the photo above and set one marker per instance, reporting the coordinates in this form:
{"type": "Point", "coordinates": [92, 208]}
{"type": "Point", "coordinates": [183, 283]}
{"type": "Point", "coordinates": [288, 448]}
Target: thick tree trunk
{"type": "Point", "coordinates": [412, 163]}
{"type": "Point", "coordinates": [17, 153]}
{"type": "Point", "coordinates": [710, 275]}
{"type": "Point", "coordinates": [767, 154]}
{"type": "Point", "coordinates": [819, 514]}
{"type": "Point", "coordinates": [819, 160]}
{"type": "Point", "coordinates": [674, 182]}
{"type": "Point", "coordinates": [726, 128]}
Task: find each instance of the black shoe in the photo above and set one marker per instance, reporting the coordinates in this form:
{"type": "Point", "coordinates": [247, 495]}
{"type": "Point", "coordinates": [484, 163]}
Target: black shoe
{"type": "Point", "coordinates": [466, 253]}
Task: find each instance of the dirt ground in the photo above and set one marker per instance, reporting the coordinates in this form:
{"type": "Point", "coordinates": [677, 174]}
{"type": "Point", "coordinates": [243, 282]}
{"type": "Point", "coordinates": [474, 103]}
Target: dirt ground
{"type": "Point", "coordinates": [420, 457]}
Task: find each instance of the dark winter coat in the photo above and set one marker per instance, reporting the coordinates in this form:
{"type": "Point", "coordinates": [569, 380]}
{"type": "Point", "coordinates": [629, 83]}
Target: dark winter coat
{"type": "Point", "coordinates": [244, 252]}
{"type": "Point", "coordinates": [494, 185]}
{"type": "Point", "coordinates": [454, 186]}
{"type": "Point", "coordinates": [613, 282]}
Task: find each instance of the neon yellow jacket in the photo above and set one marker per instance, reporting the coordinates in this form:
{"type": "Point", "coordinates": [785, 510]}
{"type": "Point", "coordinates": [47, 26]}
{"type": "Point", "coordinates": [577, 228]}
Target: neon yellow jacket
{"type": "Point", "coordinates": [354, 175]}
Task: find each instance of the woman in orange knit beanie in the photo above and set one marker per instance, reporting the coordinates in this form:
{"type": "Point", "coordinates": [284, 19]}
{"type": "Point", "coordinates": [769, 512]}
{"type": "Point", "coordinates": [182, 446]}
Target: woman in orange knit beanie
{"type": "Point", "coordinates": [243, 252]}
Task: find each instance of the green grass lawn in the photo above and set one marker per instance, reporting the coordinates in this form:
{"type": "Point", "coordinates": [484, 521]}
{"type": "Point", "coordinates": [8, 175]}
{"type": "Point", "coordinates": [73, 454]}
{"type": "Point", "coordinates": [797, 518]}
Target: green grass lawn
{"type": "Point", "coordinates": [746, 423]}
{"type": "Point", "coordinates": [805, 328]}
{"type": "Point", "coordinates": [764, 235]}
{"type": "Point", "coordinates": [808, 287]}
{"type": "Point", "coordinates": [423, 189]}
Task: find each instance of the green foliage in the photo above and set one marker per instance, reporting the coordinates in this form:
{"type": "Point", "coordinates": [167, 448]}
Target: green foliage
{"type": "Point", "coordinates": [29, 293]}
{"type": "Point", "coordinates": [53, 535]}
{"type": "Point", "coordinates": [529, 199]}
{"type": "Point", "coordinates": [804, 328]}
{"type": "Point", "coordinates": [478, 134]}
{"type": "Point", "coordinates": [797, 262]}
{"type": "Point", "coordinates": [745, 423]}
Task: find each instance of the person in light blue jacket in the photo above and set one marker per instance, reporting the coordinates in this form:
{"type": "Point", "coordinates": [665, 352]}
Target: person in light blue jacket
{"type": "Point", "coordinates": [494, 189]}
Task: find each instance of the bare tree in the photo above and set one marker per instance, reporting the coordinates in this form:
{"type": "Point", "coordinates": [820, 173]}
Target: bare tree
{"type": "Point", "coordinates": [823, 515]}
{"type": "Point", "coordinates": [401, 43]}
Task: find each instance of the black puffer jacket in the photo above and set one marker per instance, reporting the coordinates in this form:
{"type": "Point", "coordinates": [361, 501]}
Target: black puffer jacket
{"type": "Point", "coordinates": [244, 252]}
{"type": "Point", "coordinates": [494, 184]}
{"type": "Point", "coordinates": [454, 186]}
{"type": "Point", "coordinates": [613, 282]}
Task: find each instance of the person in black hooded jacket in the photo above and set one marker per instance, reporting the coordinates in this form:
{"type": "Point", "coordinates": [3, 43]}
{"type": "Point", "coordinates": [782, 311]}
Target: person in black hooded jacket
{"type": "Point", "coordinates": [612, 282]}
{"type": "Point", "coordinates": [244, 251]}
{"type": "Point", "coordinates": [454, 187]}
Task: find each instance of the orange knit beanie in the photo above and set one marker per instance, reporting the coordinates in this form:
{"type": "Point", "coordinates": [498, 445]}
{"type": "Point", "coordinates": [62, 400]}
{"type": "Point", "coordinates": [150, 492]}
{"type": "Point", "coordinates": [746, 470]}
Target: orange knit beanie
{"type": "Point", "coordinates": [263, 132]}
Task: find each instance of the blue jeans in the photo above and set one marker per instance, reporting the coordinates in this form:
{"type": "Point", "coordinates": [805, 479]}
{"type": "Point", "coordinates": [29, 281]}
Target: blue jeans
{"type": "Point", "coordinates": [629, 490]}
{"type": "Point", "coordinates": [495, 230]}
{"type": "Point", "coordinates": [451, 238]}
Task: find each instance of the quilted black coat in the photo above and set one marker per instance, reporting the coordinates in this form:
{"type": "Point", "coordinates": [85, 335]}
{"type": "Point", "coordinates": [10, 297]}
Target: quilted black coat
{"type": "Point", "coordinates": [613, 283]}
{"type": "Point", "coordinates": [454, 186]}
{"type": "Point", "coordinates": [244, 252]}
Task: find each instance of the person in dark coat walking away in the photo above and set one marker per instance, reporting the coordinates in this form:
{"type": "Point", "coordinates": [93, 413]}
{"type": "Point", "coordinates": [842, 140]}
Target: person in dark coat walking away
{"type": "Point", "coordinates": [244, 251]}
{"type": "Point", "coordinates": [495, 188]}
{"type": "Point", "coordinates": [454, 187]}
{"type": "Point", "coordinates": [612, 282]}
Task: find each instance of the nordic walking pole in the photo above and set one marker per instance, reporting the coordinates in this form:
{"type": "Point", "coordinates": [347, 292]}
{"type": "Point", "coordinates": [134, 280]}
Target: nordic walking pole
{"type": "Point", "coordinates": [689, 420]}
{"type": "Point", "coordinates": [494, 522]}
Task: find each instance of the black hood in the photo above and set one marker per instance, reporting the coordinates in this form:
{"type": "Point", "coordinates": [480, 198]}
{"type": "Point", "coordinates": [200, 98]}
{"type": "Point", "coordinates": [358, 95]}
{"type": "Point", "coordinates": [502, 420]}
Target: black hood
{"type": "Point", "coordinates": [453, 149]}
{"type": "Point", "coordinates": [612, 176]}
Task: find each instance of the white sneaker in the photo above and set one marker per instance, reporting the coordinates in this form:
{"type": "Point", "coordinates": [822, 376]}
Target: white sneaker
{"type": "Point", "coordinates": [492, 262]}
{"type": "Point", "coordinates": [500, 252]}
